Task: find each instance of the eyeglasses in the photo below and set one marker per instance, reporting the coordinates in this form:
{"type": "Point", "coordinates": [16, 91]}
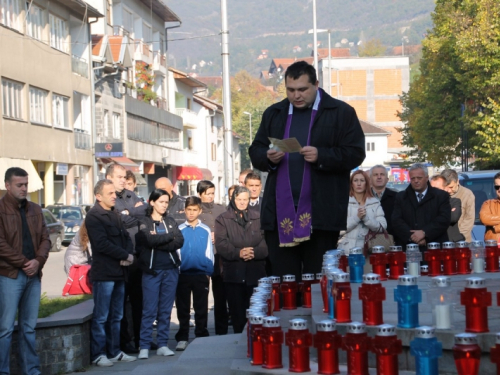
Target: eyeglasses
{"type": "Point", "coordinates": [497, 187]}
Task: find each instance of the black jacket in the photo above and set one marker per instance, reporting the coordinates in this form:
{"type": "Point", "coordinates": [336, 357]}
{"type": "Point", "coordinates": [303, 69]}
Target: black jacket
{"type": "Point", "coordinates": [230, 238]}
{"type": "Point", "coordinates": [176, 208]}
{"type": "Point", "coordinates": [432, 215]}
{"type": "Point", "coordinates": [210, 212]}
{"type": "Point", "coordinates": [110, 244]}
{"type": "Point", "coordinates": [340, 141]}
{"type": "Point", "coordinates": [456, 211]}
{"type": "Point", "coordinates": [387, 203]}
{"type": "Point", "coordinates": [126, 200]}
{"type": "Point", "coordinates": [164, 245]}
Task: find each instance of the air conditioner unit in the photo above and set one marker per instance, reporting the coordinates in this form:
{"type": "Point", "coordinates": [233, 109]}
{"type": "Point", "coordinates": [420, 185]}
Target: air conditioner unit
{"type": "Point", "coordinates": [77, 171]}
{"type": "Point", "coordinates": [189, 133]}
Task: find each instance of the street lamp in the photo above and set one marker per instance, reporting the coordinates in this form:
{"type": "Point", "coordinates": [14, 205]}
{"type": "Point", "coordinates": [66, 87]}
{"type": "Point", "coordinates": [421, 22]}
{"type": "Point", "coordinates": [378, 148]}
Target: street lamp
{"type": "Point", "coordinates": [329, 56]}
{"type": "Point", "coordinates": [250, 133]}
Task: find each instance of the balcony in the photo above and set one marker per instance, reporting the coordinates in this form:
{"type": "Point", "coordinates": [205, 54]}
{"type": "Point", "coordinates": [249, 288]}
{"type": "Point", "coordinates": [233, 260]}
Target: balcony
{"type": "Point", "coordinates": [120, 31]}
{"type": "Point", "coordinates": [82, 139]}
{"type": "Point", "coordinates": [159, 63]}
{"type": "Point", "coordinates": [189, 118]}
{"type": "Point", "coordinates": [79, 66]}
{"type": "Point", "coordinates": [142, 51]}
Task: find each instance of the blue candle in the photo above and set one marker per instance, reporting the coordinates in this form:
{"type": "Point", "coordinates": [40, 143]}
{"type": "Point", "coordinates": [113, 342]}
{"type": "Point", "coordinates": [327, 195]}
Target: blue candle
{"type": "Point", "coordinates": [408, 296]}
{"type": "Point", "coordinates": [426, 350]}
{"type": "Point", "coordinates": [356, 263]}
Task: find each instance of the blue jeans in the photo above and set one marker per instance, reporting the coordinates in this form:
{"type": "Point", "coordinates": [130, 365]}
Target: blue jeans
{"type": "Point", "coordinates": [108, 312]}
{"type": "Point", "coordinates": [22, 293]}
{"type": "Point", "coordinates": [158, 295]}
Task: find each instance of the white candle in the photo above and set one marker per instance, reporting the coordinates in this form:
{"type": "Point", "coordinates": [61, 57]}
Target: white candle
{"type": "Point", "coordinates": [478, 265]}
{"type": "Point", "coordinates": [413, 268]}
{"type": "Point", "coordinates": [442, 314]}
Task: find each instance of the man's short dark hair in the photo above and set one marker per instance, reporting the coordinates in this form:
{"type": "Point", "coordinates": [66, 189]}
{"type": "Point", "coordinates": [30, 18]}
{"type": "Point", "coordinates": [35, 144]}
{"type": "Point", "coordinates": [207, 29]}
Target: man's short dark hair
{"type": "Point", "coordinates": [193, 201]}
{"type": "Point", "coordinates": [100, 185]}
{"type": "Point", "coordinates": [439, 177]}
{"type": "Point", "coordinates": [497, 176]}
{"type": "Point", "coordinates": [252, 176]}
{"type": "Point", "coordinates": [300, 68]}
{"type": "Point", "coordinates": [203, 186]}
{"type": "Point", "coordinates": [130, 176]}
{"type": "Point", "coordinates": [14, 171]}
{"type": "Point", "coordinates": [449, 176]}
{"type": "Point", "coordinates": [110, 169]}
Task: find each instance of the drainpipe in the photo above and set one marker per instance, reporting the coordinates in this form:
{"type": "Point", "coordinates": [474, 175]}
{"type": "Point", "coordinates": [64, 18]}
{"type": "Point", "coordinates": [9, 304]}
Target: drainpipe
{"type": "Point", "coordinates": [93, 132]}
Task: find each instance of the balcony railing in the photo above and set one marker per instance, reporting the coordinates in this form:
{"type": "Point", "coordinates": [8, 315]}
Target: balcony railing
{"type": "Point", "coordinates": [159, 62]}
{"type": "Point", "coordinates": [79, 66]}
{"type": "Point", "coordinates": [142, 47]}
{"type": "Point", "coordinates": [189, 118]}
{"type": "Point", "coordinates": [119, 30]}
{"type": "Point", "coordinates": [82, 139]}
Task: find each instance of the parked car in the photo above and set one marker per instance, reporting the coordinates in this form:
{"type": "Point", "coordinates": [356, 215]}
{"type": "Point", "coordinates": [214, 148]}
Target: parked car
{"type": "Point", "coordinates": [71, 216]}
{"type": "Point", "coordinates": [398, 186]}
{"type": "Point", "coordinates": [55, 228]}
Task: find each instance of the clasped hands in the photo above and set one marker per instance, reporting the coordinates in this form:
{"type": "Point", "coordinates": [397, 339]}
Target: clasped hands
{"type": "Point", "coordinates": [310, 154]}
{"type": "Point", "coordinates": [247, 253]}
{"type": "Point", "coordinates": [418, 236]}
{"type": "Point", "coordinates": [128, 261]}
{"type": "Point", "coordinates": [30, 268]}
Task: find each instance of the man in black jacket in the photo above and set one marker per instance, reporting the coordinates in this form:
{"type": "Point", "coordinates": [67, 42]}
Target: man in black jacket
{"type": "Point", "coordinates": [112, 253]}
{"type": "Point", "coordinates": [309, 189]}
{"type": "Point", "coordinates": [421, 213]}
{"type": "Point", "coordinates": [386, 196]}
{"type": "Point", "coordinates": [177, 203]}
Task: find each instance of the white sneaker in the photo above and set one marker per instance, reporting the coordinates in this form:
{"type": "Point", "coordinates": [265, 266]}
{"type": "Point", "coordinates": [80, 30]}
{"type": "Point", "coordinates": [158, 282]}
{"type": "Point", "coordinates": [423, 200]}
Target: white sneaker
{"type": "Point", "coordinates": [181, 346]}
{"type": "Point", "coordinates": [102, 361]}
{"type": "Point", "coordinates": [122, 357]}
{"type": "Point", "coordinates": [144, 354]}
{"type": "Point", "coordinates": [164, 350]}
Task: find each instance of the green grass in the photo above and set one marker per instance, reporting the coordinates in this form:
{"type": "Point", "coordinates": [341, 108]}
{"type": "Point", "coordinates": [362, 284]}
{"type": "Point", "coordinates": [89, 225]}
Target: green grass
{"type": "Point", "coordinates": [49, 306]}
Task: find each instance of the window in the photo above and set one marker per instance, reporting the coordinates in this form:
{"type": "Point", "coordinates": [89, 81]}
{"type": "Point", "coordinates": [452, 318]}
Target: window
{"type": "Point", "coordinates": [60, 114]}
{"type": "Point", "coordinates": [105, 123]}
{"type": "Point", "coordinates": [34, 21]}
{"type": "Point", "coordinates": [128, 21]}
{"type": "Point", "coordinates": [188, 103]}
{"type": "Point", "coordinates": [57, 33]}
{"type": "Point", "coordinates": [108, 12]}
{"type": "Point", "coordinates": [146, 33]}
{"type": "Point", "coordinates": [214, 152]}
{"type": "Point", "coordinates": [116, 125]}
{"type": "Point", "coordinates": [12, 98]}
{"type": "Point", "coordinates": [38, 105]}
{"type": "Point", "coordinates": [9, 13]}
{"type": "Point", "coordinates": [370, 146]}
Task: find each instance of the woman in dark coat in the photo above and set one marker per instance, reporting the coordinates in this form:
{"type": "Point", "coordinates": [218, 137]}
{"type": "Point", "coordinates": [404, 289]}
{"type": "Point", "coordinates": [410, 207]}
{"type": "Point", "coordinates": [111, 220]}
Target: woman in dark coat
{"type": "Point", "coordinates": [239, 242]}
{"type": "Point", "coordinates": [157, 243]}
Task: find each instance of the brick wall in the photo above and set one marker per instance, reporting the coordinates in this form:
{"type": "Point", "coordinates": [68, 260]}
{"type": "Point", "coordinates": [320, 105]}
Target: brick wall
{"type": "Point", "coordinates": [386, 110]}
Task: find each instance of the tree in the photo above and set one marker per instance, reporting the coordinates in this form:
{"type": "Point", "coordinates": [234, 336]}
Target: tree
{"type": "Point", "coordinates": [247, 95]}
{"type": "Point", "coordinates": [460, 75]}
{"type": "Point", "coordinates": [373, 47]}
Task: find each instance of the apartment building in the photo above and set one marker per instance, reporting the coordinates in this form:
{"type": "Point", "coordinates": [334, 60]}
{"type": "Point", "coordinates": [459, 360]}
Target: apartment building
{"type": "Point", "coordinates": [46, 94]}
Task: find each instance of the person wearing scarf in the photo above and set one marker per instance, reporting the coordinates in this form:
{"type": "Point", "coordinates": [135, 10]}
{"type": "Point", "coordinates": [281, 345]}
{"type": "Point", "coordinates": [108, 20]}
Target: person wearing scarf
{"type": "Point", "coordinates": [304, 206]}
{"type": "Point", "coordinates": [239, 242]}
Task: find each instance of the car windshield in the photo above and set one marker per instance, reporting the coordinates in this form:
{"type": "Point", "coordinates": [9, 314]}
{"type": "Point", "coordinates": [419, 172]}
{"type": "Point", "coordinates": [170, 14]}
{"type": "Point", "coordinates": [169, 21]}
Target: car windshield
{"type": "Point", "coordinates": [483, 190]}
{"type": "Point", "coordinates": [67, 213]}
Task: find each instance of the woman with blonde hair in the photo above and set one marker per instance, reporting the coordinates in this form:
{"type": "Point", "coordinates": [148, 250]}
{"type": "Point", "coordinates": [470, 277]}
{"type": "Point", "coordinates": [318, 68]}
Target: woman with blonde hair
{"type": "Point", "coordinates": [78, 251]}
{"type": "Point", "coordinates": [364, 213]}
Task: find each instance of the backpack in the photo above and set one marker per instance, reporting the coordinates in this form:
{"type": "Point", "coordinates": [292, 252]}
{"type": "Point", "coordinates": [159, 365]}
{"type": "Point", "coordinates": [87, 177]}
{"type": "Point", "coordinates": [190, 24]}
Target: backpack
{"type": "Point", "coordinates": [78, 280]}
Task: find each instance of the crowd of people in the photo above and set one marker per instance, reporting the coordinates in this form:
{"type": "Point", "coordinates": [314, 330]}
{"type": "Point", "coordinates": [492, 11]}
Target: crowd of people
{"type": "Point", "coordinates": [147, 254]}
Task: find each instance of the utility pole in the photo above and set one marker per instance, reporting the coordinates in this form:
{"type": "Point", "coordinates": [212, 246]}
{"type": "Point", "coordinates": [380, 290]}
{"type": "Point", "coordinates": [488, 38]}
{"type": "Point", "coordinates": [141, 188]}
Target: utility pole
{"type": "Point", "coordinates": [315, 38]}
{"type": "Point", "coordinates": [226, 98]}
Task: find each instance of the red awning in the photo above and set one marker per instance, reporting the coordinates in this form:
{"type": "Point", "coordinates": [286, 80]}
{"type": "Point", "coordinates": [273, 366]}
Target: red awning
{"type": "Point", "coordinates": [127, 163]}
{"type": "Point", "coordinates": [189, 173]}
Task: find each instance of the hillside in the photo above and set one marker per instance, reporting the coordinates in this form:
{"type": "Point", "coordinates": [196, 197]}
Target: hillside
{"type": "Point", "coordinates": [280, 25]}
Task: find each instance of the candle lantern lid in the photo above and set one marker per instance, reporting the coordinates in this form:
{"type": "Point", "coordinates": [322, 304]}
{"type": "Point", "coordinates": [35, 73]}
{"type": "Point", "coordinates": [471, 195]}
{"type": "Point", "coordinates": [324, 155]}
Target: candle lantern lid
{"type": "Point", "coordinates": [308, 277]}
{"type": "Point", "coordinates": [378, 249]}
{"type": "Point", "coordinates": [271, 321]}
{"type": "Point", "coordinates": [265, 281]}
{"type": "Point", "coordinates": [424, 268]}
{"type": "Point", "coordinates": [477, 243]}
{"type": "Point", "coordinates": [297, 324]}
{"type": "Point", "coordinates": [498, 338]}
{"type": "Point", "coordinates": [328, 258]}
{"type": "Point", "coordinates": [356, 328]}
{"type": "Point", "coordinates": [395, 248]}
{"type": "Point", "coordinates": [257, 318]}
{"type": "Point", "coordinates": [356, 251]}
{"type": "Point", "coordinates": [491, 243]}
{"type": "Point", "coordinates": [465, 339]}
{"type": "Point", "coordinates": [433, 246]}
{"type": "Point", "coordinates": [371, 278]}
{"type": "Point", "coordinates": [385, 330]}
{"type": "Point", "coordinates": [326, 325]}
{"type": "Point", "coordinates": [319, 275]}
{"type": "Point", "coordinates": [259, 289]}
{"type": "Point", "coordinates": [448, 245]}
{"type": "Point", "coordinates": [441, 281]}
{"type": "Point", "coordinates": [276, 279]}
{"type": "Point", "coordinates": [412, 247]}
{"type": "Point", "coordinates": [288, 278]}
{"type": "Point", "coordinates": [475, 283]}
{"type": "Point", "coordinates": [341, 277]}
{"type": "Point", "coordinates": [407, 280]}
{"type": "Point", "coordinates": [336, 253]}
{"type": "Point", "coordinates": [425, 332]}
{"type": "Point", "coordinates": [461, 245]}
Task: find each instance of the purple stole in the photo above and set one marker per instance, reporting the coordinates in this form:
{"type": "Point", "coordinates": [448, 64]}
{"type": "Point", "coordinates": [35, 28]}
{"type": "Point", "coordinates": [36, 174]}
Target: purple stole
{"type": "Point", "coordinates": [294, 227]}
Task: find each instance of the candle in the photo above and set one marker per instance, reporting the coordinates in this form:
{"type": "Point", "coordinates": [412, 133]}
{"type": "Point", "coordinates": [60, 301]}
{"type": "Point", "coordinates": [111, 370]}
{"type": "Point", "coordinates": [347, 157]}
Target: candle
{"type": "Point", "coordinates": [307, 280]}
{"type": "Point", "coordinates": [426, 350]}
{"type": "Point", "coordinates": [387, 347]}
{"type": "Point", "coordinates": [433, 258]}
{"type": "Point", "coordinates": [396, 259]}
{"type": "Point", "coordinates": [467, 354]}
{"type": "Point", "coordinates": [272, 339]}
{"type": "Point", "coordinates": [413, 258]}
{"type": "Point", "coordinates": [476, 300]}
{"type": "Point", "coordinates": [378, 260]}
{"type": "Point", "coordinates": [477, 253]}
{"type": "Point", "coordinates": [372, 294]}
{"type": "Point", "coordinates": [289, 292]}
{"type": "Point", "coordinates": [342, 295]}
{"type": "Point", "coordinates": [491, 256]}
{"type": "Point", "coordinates": [276, 292]}
{"type": "Point", "coordinates": [463, 257]}
{"type": "Point", "coordinates": [408, 296]}
{"type": "Point", "coordinates": [298, 339]}
{"type": "Point", "coordinates": [495, 353]}
{"type": "Point", "coordinates": [356, 264]}
{"type": "Point", "coordinates": [327, 341]}
{"type": "Point", "coordinates": [443, 316]}
{"type": "Point", "coordinates": [356, 343]}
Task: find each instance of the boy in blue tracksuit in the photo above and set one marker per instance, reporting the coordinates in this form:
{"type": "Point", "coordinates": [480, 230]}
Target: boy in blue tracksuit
{"type": "Point", "coordinates": [197, 264]}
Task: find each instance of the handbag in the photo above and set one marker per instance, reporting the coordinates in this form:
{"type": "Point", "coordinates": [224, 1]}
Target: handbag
{"type": "Point", "coordinates": [378, 238]}
{"type": "Point", "coordinates": [78, 281]}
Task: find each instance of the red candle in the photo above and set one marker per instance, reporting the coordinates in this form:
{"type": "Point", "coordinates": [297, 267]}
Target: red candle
{"type": "Point", "coordinates": [276, 292]}
{"type": "Point", "coordinates": [491, 256]}
{"type": "Point", "coordinates": [307, 280]}
{"type": "Point", "coordinates": [343, 262]}
{"type": "Point", "coordinates": [378, 260]}
{"type": "Point", "coordinates": [356, 343]}
{"type": "Point", "coordinates": [396, 259]}
{"type": "Point", "coordinates": [342, 293]}
{"type": "Point", "coordinates": [467, 354]}
{"type": "Point", "coordinates": [272, 339]}
{"type": "Point", "coordinates": [476, 300]}
{"type": "Point", "coordinates": [424, 270]}
{"type": "Point", "coordinates": [495, 353]}
{"type": "Point", "coordinates": [289, 292]}
{"type": "Point", "coordinates": [327, 341]}
{"type": "Point", "coordinates": [386, 347]}
{"type": "Point", "coordinates": [372, 294]}
{"type": "Point", "coordinates": [433, 258]}
{"type": "Point", "coordinates": [448, 255]}
{"type": "Point", "coordinates": [324, 288]}
{"type": "Point", "coordinates": [257, 355]}
{"type": "Point", "coordinates": [298, 339]}
{"type": "Point", "coordinates": [463, 256]}
{"type": "Point", "coordinates": [318, 278]}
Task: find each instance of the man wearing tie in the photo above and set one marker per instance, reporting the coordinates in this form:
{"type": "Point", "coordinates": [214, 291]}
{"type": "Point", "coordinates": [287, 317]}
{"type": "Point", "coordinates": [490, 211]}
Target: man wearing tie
{"type": "Point", "coordinates": [254, 184]}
